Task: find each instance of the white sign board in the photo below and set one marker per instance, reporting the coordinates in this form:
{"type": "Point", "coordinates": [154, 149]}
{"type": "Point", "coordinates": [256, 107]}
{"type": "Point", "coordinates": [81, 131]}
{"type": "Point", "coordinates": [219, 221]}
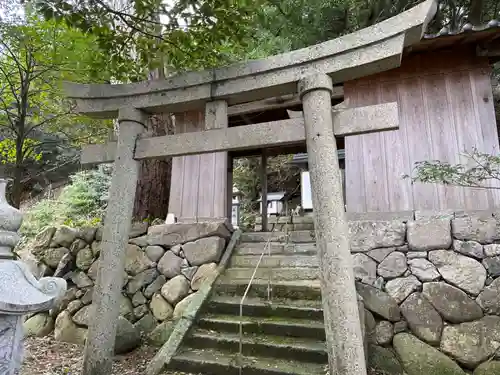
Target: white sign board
{"type": "Point", "coordinates": [305, 188]}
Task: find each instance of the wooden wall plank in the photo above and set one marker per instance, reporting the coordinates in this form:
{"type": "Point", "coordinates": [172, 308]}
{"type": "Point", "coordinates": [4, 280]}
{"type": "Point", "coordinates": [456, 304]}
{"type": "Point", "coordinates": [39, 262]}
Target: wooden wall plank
{"type": "Point", "coordinates": [446, 106]}
{"type": "Point", "coordinates": [400, 194]}
{"type": "Point", "coordinates": [485, 112]}
{"type": "Point", "coordinates": [354, 169]}
{"type": "Point", "coordinates": [444, 142]}
{"type": "Point", "coordinates": [418, 140]}
{"type": "Point", "coordinates": [376, 198]}
{"type": "Point", "coordinates": [468, 130]}
{"type": "Point", "coordinates": [197, 180]}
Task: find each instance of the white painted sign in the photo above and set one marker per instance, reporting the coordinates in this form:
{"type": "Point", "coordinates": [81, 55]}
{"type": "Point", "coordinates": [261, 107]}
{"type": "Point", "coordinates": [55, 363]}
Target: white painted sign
{"type": "Point", "coordinates": [305, 188]}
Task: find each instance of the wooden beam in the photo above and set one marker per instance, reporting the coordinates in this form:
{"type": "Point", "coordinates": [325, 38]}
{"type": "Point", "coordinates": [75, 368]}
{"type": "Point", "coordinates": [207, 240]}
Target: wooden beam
{"type": "Point", "coordinates": [350, 121]}
{"type": "Point", "coordinates": [368, 51]}
{"type": "Point", "coordinates": [285, 101]}
{"type": "Point", "coordinates": [490, 51]}
{"type": "Point", "coordinates": [263, 181]}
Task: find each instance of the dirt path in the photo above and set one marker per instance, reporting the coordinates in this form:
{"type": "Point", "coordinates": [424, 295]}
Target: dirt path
{"type": "Point", "coordinates": [45, 356]}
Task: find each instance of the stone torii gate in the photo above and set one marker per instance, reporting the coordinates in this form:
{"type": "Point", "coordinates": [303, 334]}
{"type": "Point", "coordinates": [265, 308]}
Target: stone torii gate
{"type": "Point", "coordinates": [311, 72]}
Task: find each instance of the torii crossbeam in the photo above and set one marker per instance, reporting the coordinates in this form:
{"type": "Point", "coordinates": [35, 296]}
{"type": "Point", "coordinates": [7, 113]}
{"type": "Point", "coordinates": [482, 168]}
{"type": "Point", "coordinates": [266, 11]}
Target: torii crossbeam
{"type": "Point", "coordinates": [311, 72]}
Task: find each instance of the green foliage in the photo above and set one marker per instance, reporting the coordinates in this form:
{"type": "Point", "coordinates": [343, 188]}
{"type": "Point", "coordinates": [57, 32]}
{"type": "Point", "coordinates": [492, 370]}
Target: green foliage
{"type": "Point", "coordinates": [36, 56]}
{"type": "Point", "coordinates": [81, 203]}
{"type": "Point", "coordinates": [479, 171]}
{"type": "Point", "coordinates": [8, 150]}
{"type": "Point", "coordinates": [146, 34]}
{"type": "Point", "coordinates": [281, 176]}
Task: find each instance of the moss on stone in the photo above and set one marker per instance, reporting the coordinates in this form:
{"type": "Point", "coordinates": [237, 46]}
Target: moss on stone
{"type": "Point", "coordinates": [488, 368]}
{"type": "Point", "coordinates": [383, 360]}
{"type": "Point", "coordinates": [161, 333]}
{"type": "Point", "coordinates": [419, 358]}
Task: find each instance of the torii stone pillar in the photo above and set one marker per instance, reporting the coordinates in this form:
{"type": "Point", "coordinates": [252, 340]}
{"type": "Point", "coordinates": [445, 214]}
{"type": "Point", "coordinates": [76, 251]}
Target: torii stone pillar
{"type": "Point", "coordinates": [100, 344]}
{"type": "Point", "coordinates": [20, 292]}
{"type": "Point", "coordinates": [340, 305]}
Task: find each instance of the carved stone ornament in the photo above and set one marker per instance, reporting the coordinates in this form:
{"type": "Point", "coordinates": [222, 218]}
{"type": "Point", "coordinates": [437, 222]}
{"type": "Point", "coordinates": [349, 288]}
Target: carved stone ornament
{"type": "Point", "coordinates": [20, 292]}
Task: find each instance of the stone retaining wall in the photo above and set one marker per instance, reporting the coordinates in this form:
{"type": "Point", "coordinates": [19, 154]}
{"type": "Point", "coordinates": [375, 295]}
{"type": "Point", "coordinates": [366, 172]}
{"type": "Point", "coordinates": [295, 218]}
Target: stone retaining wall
{"type": "Point", "coordinates": [165, 267]}
{"type": "Point", "coordinates": [431, 290]}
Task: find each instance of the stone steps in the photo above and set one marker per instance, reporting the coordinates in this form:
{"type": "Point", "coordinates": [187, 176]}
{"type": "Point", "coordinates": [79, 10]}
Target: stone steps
{"type": "Point", "coordinates": [282, 337]}
{"type": "Point", "coordinates": [214, 362]}
{"type": "Point", "coordinates": [282, 347]}
{"type": "Point", "coordinates": [276, 248]}
{"type": "Point", "coordinates": [274, 261]}
{"type": "Point", "coordinates": [277, 274]}
{"type": "Point", "coordinates": [298, 236]}
{"type": "Point", "coordinates": [294, 309]}
{"type": "Point", "coordinates": [296, 289]}
{"type": "Point", "coordinates": [274, 326]}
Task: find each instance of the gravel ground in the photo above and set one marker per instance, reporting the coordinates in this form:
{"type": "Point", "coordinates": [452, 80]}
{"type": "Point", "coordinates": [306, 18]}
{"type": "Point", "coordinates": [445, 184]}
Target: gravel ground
{"type": "Point", "coordinates": [45, 356]}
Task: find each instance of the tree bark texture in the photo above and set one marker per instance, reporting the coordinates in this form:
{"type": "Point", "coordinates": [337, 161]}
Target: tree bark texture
{"type": "Point", "coordinates": [153, 185]}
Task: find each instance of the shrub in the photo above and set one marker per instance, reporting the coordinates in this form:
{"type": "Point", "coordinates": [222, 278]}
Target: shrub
{"type": "Point", "coordinates": [81, 203]}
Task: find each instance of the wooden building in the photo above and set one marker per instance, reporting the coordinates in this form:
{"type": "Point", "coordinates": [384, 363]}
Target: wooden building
{"type": "Point", "coordinates": [443, 89]}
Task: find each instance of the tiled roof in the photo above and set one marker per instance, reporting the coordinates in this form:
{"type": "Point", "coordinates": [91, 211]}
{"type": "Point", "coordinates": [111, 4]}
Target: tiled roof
{"type": "Point", "coordinates": [467, 28]}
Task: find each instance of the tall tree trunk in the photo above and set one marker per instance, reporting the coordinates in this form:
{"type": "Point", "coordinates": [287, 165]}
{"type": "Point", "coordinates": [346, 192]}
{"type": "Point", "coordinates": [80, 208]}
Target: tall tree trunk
{"type": "Point", "coordinates": [153, 186]}
{"type": "Point", "coordinates": [17, 189]}
{"type": "Point", "coordinates": [475, 12]}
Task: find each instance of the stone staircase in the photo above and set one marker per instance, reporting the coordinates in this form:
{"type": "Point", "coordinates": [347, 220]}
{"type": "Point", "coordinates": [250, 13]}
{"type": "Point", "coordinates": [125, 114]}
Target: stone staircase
{"type": "Point", "coordinates": [284, 337]}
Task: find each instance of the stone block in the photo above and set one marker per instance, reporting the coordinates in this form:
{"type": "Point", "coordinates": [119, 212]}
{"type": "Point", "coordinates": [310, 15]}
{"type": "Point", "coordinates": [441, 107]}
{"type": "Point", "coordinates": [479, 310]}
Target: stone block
{"type": "Point", "coordinates": [136, 260]}
{"type": "Point", "coordinates": [400, 288]}
{"type": "Point", "coordinates": [64, 237]}
{"type": "Point", "coordinates": [369, 235]}
{"type": "Point", "coordinates": [470, 248]}
{"type": "Point", "coordinates": [424, 235]}
{"type": "Point", "coordinates": [175, 289]}
{"type": "Point", "coordinates": [463, 272]}
{"type": "Point", "coordinates": [67, 331]}
{"type": "Point", "coordinates": [180, 233]}
{"type": "Point", "coordinates": [380, 254]}
{"type": "Point", "coordinates": [170, 265]}
{"type": "Point", "coordinates": [453, 304]}
{"type": "Point", "coordinates": [384, 331]}
{"type": "Point", "coordinates": [482, 230]}
{"type": "Point", "coordinates": [423, 269]}
{"type": "Point", "coordinates": [53, 256]}
{"type": "Point", "coordinates": [205, 250]}
{"type": "Point", "coordinates": [203, 275]}
{"type": "Point", "coordinates": [394, 265]}
{"type": "Point", "coordinates": [38, 325]}
{"type": "Point", "coordinates": [433, 215]}
{"type": "Point", "coordinates": [489, 298]}
{"type": "Point", "coordinates": [160, 308]}
{"type": "Point", "coordinates": [379, 302]}
{"type": "Point", "coordinates": [364, 266]}
{"type": "Point", "coordinates": [419, 358]}
{"type": "Point", "coordinates": [472, 343]}
{"type": "Point", "coordinates": [423, 319]}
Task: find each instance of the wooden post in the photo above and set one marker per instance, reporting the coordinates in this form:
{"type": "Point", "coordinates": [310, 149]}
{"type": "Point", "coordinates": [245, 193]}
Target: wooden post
{"type": "Point", "coordinates": [263, 181]}
{"type": "Point", "coordinates": [340, 306]}
{"type": "Point", "coordinates": [230, 162]}
{"type": "Point", "coordinates": [100, 344]}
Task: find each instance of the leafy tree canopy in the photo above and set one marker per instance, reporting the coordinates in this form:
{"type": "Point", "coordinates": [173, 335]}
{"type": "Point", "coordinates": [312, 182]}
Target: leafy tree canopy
{"type": "Point", "coordinates": [36, 56]}
{"type": "Point", "coordinates": [142, 35]}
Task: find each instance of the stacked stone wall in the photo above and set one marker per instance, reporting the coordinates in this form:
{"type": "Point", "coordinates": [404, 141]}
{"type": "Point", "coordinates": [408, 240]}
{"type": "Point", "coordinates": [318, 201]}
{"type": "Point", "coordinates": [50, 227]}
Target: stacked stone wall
{"type": "Point", "coordinates": [431, 290]}
{"type": "Point", "coordinates": [165, 266]}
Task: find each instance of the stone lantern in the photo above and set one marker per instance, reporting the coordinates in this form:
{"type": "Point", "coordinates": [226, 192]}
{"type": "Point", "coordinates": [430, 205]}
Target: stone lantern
{"type": "Point", "coordinates": [20, 292]}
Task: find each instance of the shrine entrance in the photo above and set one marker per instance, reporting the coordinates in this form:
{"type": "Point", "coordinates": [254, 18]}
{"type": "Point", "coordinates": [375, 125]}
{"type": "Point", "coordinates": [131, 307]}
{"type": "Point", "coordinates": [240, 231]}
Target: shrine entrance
{"type": "Point", "coordinates": [312, 73]}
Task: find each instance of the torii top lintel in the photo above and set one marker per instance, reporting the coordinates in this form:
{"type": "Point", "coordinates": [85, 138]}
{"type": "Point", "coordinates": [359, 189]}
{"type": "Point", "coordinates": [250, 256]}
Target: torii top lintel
{"type": "Point", "coordinates": [371, 50]}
